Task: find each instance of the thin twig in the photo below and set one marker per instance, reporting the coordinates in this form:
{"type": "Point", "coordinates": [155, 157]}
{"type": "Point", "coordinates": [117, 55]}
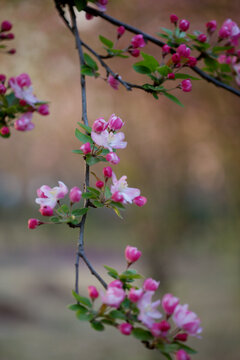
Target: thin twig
{"type": "Point", "coordinates": [160, 43]}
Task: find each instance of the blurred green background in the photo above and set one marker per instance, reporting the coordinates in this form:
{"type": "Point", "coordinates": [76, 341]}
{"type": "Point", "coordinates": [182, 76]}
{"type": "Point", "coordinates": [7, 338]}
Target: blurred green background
{"type": "Point", "coordinates": [186, 161]}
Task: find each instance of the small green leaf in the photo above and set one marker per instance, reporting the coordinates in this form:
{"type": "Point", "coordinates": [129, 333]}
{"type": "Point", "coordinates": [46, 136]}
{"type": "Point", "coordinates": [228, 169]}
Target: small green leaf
{"type": "Point", "coordinates": [77, 307]}
{"type": "Point", "coordinates": [188, 349]}
{"type": "Point", "coordinates": [64, 209]}
{"type": "Point", "coordinates": [167, 31]}
{"type": "Point", "coordinates": [211, 63]}
{"type": "Point", "coordinates": [80, 212]}
{"type": "Point", "coordinates": [185, 76]}
{"type": "Point", "coordinates": [107, 193]}
{"type": "Point", "coordinates": [221, 48]}
{"type": "Point", "coordinates": [82, 300]}
{"type": "Point", "coordinates": [116, 210]}
{"type": "Point", "coordinates": [116, 314]}
{"type": "Point", "coordinates": [83, 316]}
{"type": "Point", "coordinates": [168, 348]}
{"type": "Point", "coordinates": [141, 69]}
{"type": "Point", "coordinates": [91, 160]}
{"type": "Point", "coordinates": [86, 70]}
{"type": "Point", "coordinates": [117, 204]}
{"type": "Point", "coordinates": [173, 98]}
{"type": "Point", "coordinates": [142, 334]}
{"type": "Point", "coordinates": [163, 35]}
{"type": "Point", "coordinates": [80, 4]}
{"type": "Point", "coordinates": [97, 325]}
{"type": "Point", "coordinates": [150, 61]}
{"type": "Point", "coordinates": [225, 68]}
{"type": "Point", "coordinates": [88, 195]}
{"type": "Point", "coordinates": [106, 41]}
{"type": "Point", "coordinates": [90, 62]}
{"type": "Point", "coordinates": [55, 219]}
{"type": "Point", "coordinates": [97, 203]}
{"type": "Point", "coordinates": [93, 190]}
{"type": "Point", "coordinates": [164, 70]}
{"type": "Point", "coordinates": [112, 272]}
{"type": "Point", "coordinates": [88, 129]}
{"type": "Point", "coordinates": [77, 151]}
{"type": "Point", "coordinates": [82, 137]}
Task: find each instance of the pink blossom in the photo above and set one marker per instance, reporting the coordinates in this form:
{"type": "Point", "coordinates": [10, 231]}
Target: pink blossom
{"type": "Point", "coordinates": [10, 36]}
{"type": "Point", "coordinates": [33, 223]}
{"type": "Point", "coordinates": [12, 51]}
{"type": "Point", "coordinates": [21, 85]}
{"type": "Point", "coordinates": [52, 195]}
{"type": "Point", "coordinates": [113, 82]}
{"type": "Point", "coordinates": [202, 38]}
{"type": "Point", "coordinates": [135, 294]}
{"type": "Point", "coordinates": [211, 26]}
{"type": "Point", "coordinates": [112, 158]}
{"type": "Point", "coordinates": [150, 284]}
{"type": "Point", "coordinates": [121, 186]}
{"type": "Point", "coordinates": [187, 320]}
{"type": "Point", "coordinates": [99, 184]}
{"type": "Point", "coordinates": [132, 254]}
{"type": "Point", "coordinates": [109, 140]}
{"type": "Point", "coordinates": [99, 125]}
{"type": "Point", "coordinates": [184, 25]}
{"type": "Point", "coordinates": [186, 85]}
{"type": "Point", "coordinates": [88, 16]}
{"type": "Point", "coordinates": [23, 80]}
{"type": "Point", "coordinates": [120, 31]}
{"type": "Point", "coordinates": [24, 122]}
{"type": "Point", "coordinates": [116, 283]}
{"type": "Point", "coordinates": [117, 197]}
{"type": "Point", "coordinates": [125, 328]}
{"type": "Point", "coordinates": [140, 201]}
{"type": "Point", "coordinates": [182, 355]}
{"type": "Point", "coordinates": [164, 326]}
{"type": "Point", "coordinates": [166, 49]}
{"type": "Point", "coordinates": [176, 58]}
{"type": "Point", "coordinates": [155, 330]}
{"type": "Point", "coordinates": [183, 50]}
{"type": "Point", "coordinates": [192, 61]}
{"type": "Point", "coordinates": [138, 41]}
{"type": "Point", "coordinates": [169, 303]}
{"type": "Point", "coordinates": [148, 310]}
{"type": "Point", "coordinates": [6, 25]}
{"type": "Point", "coordinates": [86, 148]}
{"type": "Point", "coordinates": [43, 109]}
{"type": "Point", "coordinates": [134, 52]}
{"type": "Point", "coordinates": [46, 210]}
{"type": "Point", "coordinates": [237, 69]}
{"type": "Point", "coordinates": [5, 130]}
{"type": "Point", "coordinates": [113, 297]}
{"type": "Point", "coordinates": [174, 18]}
{"type": "Point", "coordinates": [92, 291]}
{"type": "Point", "coordinates": [75, 194]}
{"type": "Point", "coordinates": [2, 78]}
{"type": "Point", "coordinates": [3, 89]}
{"type": "Point", "coordinates": [102, 5]}
{"type": "Point", "coordinates": [181, 337]}
{"type": "Point", "coordinates": [160, 328]}
{"type": "Point", "coordinates": [107, 172]}
{"type": "Point", "coordinates": [171, 76]}
{"type": "Point", "coordinates": [230, 29]}
{"type": "Point", "coordinates": [115, 123]}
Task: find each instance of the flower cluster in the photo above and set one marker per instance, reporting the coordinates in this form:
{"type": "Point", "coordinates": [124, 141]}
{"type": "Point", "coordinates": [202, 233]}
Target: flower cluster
{"type": "Point", "coordinates": [5, 35]}
{"type": "Point", "coordinates": [132, 311]}
{"type": "Point", "coordinates": [18, 103]}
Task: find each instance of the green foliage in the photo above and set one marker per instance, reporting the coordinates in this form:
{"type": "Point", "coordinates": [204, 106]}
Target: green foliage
{"type": "Point", "coordinates": [112, 272]}
{"type": "Point", "coordinates": [141, 334]}
{"type": "Point", "coordinates": [80, 4]}
{"type": "Point", "coordinates": [83, 137]}
{"type": "Point", "coordinates": [82, 300]}
{"type": "Point", "coordinates": [172, 97]}
{"type": "Point", "coordinates": [108, 43]}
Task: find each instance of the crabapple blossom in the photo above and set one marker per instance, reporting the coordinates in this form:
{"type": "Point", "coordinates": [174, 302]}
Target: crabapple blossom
{"type": "Point", "coordinates": [121, 186]}
{"type": "Point", "coordinates": [21, 86]}
{"type": "Point", "coordinates": [202, 38]}
{"type": "Point", "coordinates": [116, 283]}
{"type": "Point", "coordinates": [9, 36]}
{"type": "Point", "coordinates": [140, 200]}
{"type": "Point", "coordinates": [132, 254]}
{"type": "Point", "coordinates": [138, 41]}
{"type": "Point", "coordinates": [183, 50]}
{"type": "Point", "coordinates": [46, 210]}
{"type": "Point", "coordinates": [174, 18]}
{"type": "Point", "coordinates": [184, 25]}
{"type": "Point", "coordinates": [109, 140]}
{"type": "Point", "coordinates": [107, 172]}
{"type": "Point", "coordinates": [186, 85]}
{"type": "Point", "coordinates": [134, 52]}
{"type": "Point", "coordinates": [176, 58]}
{"type": "Point", "coordinates": [182, 355]}
{"type": "Point", "coordinates": [181, 337]}
{"type": "Point", "coordinates": [187, 320]}
{"type": "Point", "coordinates": [113, 297]}
{"type": "Point", "coordinates": [43, 109]}
{"type": "Point", "coordinates": [237, 69]}
{"type": "Point", "coordinates": [99, 184]}
{"type": "Point", "coordinates": [75, 194]}
{"type": "Point", "coordinates": [164, 326]}
{"type": "Point", "coordinates": [88, 16]}
{"type": "Point", "coordinates": [51, 195]}
{"type": "Point", "coordinates": [192, 61]}
{"type": "Point", "coordinates": [99, 125]}
{"type": "Point", "coordinates": [171, 76]}
{"type": "Point", "coordinates": [155, 329]}
{"type": "Point", "coordinates": [148, 310]}
{"type": "Point", "coordinates": [113, 82]}
{"type": "Point", "coordinates": [3, 89]}
{"type": "Point", "coordinates": [169, 302]}
{"type": "Point", "coordinates": [2, 78]}
{"type": "Point", "coordinates": [125, 328]}
{"type": "Point", "coordinates": [135, 294]}
{"type": "Point", "coordinates": [5, 130]}
{"type": "Point", "coordinates": [117, 197]}
{"type": "Point", "coordinates": [112, 158]}
{"type": "Point", "coordinates": [120, 31]}
{"type": "Point", "coordinates": [24, 123]}
{"type": "Point", "coordinates": [211, 26]}
{"type": "Point", "coordinates": [150, 284]}
{"type": "Point", "coordinates": [115, 123]}
{"type": "Point", "coordinates": [92, 291]}
{"type": "Point", "coordinates": [166, 49]}
{"type": "Point", "coordinates": [34, 223]}
{"type": "Point", "coordinates": [102, 4]}
{"type": "Point", "coordinates": [6, 25]}
{"type": "Point", "coordinates": [230, 29]}
{"type": "Point", "coordinates": [86, 148]}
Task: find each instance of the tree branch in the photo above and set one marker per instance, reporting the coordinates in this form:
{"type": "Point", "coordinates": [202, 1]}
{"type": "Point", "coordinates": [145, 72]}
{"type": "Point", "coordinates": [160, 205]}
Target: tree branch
{"type": "Point", "coordinates": [160, 43]}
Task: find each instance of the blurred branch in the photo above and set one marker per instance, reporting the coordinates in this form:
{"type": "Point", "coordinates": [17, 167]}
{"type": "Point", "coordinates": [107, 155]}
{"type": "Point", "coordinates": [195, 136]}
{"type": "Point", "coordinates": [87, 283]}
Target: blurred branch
{"type": "Point", "coordinates": [160, 43]}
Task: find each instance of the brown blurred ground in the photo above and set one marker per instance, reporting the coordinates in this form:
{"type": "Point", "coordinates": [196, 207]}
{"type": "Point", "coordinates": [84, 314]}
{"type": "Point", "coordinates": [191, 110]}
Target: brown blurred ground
{"type": "Point", "coordinates": [186, 161]}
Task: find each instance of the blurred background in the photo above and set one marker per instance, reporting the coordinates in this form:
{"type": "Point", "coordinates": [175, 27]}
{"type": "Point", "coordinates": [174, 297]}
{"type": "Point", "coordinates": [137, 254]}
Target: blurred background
{"type": "Point", "coordinates": [185, 160]}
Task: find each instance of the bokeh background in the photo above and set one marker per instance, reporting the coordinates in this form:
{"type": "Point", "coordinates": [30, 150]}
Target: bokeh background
{"type": "Point", "coordinates": [186, 161]}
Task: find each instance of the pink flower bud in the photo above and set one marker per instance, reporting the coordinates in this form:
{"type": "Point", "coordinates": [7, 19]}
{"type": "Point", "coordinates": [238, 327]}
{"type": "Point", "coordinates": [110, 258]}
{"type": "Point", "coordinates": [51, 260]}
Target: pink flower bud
{"type": "Point", "coordinates": [164, 326]}
{"type": "Point", "coordinates": [211, 26]}
{"type": "Point", "coordinates": [23, 80]}
{"type": "Point", "coordinates": [92, 291]}
{"type": "Point", "coordinates": [3, 89]}
{"type": "Point", "coordinates": [5, 130]}
{"type": "Point", "coordinates": [135, 294]}
{"type": "Point", "coordinates": [155, 330]}
{"type": "Point", "coordinates": [99, 184]}
{"type": "Point", "coordinates": [183, 50]}
{"type": "Point", "coordinates": [120, 31]}
{"type": "Point", "coordinates": [140, 201]}
{"type": "Point", "coordinates": [202, 38]}
{"type": "Point", "coordinates": [150, 284]}
{"type": "Point", "coordinates": [6, 26]}
{"type": "Point", "coordinates": [10, 36]}
{"type": "Point", "coordinates": [22, 102]}
{"type": "Point", "coordinates": [132, 254]}
{"type": "Point", "coordinates": [117, 197]}
{"type": "Point", "coordinates": [116, 283]}
{"type": "Point", "coordinates": [115, 123]}
{"type": "Point", "coordinates": [75, 194]}
{"type": "Point", "coordinates": [134, 52]}
{"type": "Point", "coordinates": [224, 32]}
{"type": "Point", "coordinates": [99, 125]}
{"type": "Point", "coordinates": [88, 16]}
{"type": "Point", "coordinates": [114, 296]}
{"type": "Point", "coordinates": [171, 76]}
{"type": "Point", "coordinates": [112, 158]}
{"type": "Point", "coordinates": [107, 172]}
{"type": "Point", "coordinates": [173, 18]}
{"type": "Point", "coordinates": [181, 337]}
{"type": "Point", "coordinates": [2, 78]}
{"type": "Point", "coordinates": [43, 109]}
{"type": "Point", "coordinates": [184, 25]}
{"type": "Point", "coordinates": [192, 61]}
{"type": "Point", "coordinates": [12, 51]}
{"type": "Point", "coordinates": [186, 85]}
{"type": "Point", "coordinates": [46, 210]}
{"type": "Point", "coordinates": [86, 148]}
{"type": "Point", "coordinates": [169, 302]}
{"type": "Point", "coordinates": [33, 223]}
{"type": "Point", "coordinates": [176, 58]}
{"type": "Point", "coordinates": [166, 49]}
{"type": "Point", "coordinates": [182, 355]}
{"type": "Point", "coordinates": [125, 328]}
{"type": "Point", "coordinates": [114, 83]}
{"type": "Point", "coordinates": [138, 41]}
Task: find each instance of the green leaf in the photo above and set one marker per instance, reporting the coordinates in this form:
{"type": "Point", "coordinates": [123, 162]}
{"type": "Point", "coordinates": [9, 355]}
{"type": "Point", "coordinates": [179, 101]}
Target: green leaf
{"type": "Point", "coordinates": [185, 76]}
{"type": "Point", "coordinates": [225, 68]}
{"type": "Point", "coordinates": [77, 152]}
{"type": "Point", "coordinates": [86, 70]}
{"type": "Point", "coordinates": [64, 209]}
{"type": "Point", "coordinates": [82, 300]}
{"type": "Point", "coordinates": [108, 322]}
{"type": "Point", "coordinates": [107, 193]}
{"type": "Point", "coordinates": [11, 99]}
{"type": "Point", "coordinates": [76, 307]}
{"type": "Point", "coordinates": [116, 314]}
{"type": "Point", "coordinates": [167, 356]}
{"type": "Point", "coordinates": [90, 62]}
{"type": "Point", "coordinates": [221, 48]}
{"type": "Point", "coordinates": [173, 98]}
{"type": "Point", "coordinates": [88, 195]}
{"type": "Point", "coordinates": [80, 212]}
{"type": "Point", "coordinates": [91, 160]}
{"type": "Point", "coordinates": [117, 212]}
{"type": "Point", "coordinates": [55, 219]}
{"type": "Point", "coordinates": [93, 190]}
{"type": "Point", "coordinates": [117, 204]}
{"type": "Point", "coordinates": [82, 137]}
{"type": "Point", "coordinates": [186, 348]}
{"type": "Point", "coordinates": [97, 325]}
{"type": "Point", "coordinates": [193, 37]}
{"type": "Point", "coordinates": [88, 129]}
{"type": "Point", "coordinates": [163, 35]}
{"type": "Point", "coordinates": [83, 316]}
{"type": "Point", "coordinates": [167, 31]}
{"type": "Point", "coordinates": [106, 41]}
{"type": "Point", "coordinates": [168, 348]}
{"type": "Point", "coordinates": [164, 70]}
{"type": "Point", "coordinates": [141, 69]}
{"type": "Point", "coordinates": [211, 63]}
{"type": "Point", "coordinates": [97, 203]}
{"type": "Point", "coordinates": [112, 272]}
{"type": "Point", "coordinates": [150, 61]}
{"type": "Point", "coordinates": [142, 334]}
{"type": "Point", "coordinates": [80, 4]}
